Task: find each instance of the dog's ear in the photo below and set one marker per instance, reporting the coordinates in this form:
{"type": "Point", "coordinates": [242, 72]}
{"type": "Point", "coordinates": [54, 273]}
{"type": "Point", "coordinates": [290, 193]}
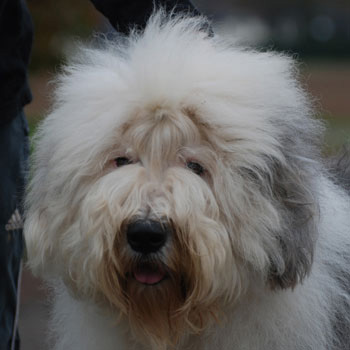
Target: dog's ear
{"type": "Point", "coordinates": [293, 195]}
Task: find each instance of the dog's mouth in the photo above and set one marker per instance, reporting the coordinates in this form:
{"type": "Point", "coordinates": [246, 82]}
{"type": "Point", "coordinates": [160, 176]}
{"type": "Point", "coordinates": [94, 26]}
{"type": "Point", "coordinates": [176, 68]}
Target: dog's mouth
{"type": "Point", "coordinates": [149, 274]}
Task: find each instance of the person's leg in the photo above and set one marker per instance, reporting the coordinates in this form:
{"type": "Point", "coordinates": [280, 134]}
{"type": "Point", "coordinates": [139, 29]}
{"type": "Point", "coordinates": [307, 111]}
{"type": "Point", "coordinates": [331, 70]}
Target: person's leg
{"type": "Point", "coordinates": [13, 164]}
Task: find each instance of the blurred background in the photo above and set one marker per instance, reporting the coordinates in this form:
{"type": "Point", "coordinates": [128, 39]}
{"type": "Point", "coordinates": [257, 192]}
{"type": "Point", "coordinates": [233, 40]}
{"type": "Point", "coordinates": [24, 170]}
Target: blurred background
{"type": "Point", "coordinates": [315, 32]}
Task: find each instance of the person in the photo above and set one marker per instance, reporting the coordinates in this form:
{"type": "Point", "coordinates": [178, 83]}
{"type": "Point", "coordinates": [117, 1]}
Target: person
{"type": "Point", "coordinates": [16, 35]}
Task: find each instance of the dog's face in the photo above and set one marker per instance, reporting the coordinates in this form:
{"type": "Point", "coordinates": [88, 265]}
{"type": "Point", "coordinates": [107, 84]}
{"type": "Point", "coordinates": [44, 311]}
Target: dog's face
{"type": "Point", "coordinates": [172, 176]}
{"type": "Point", "coordinates": [169, 256]}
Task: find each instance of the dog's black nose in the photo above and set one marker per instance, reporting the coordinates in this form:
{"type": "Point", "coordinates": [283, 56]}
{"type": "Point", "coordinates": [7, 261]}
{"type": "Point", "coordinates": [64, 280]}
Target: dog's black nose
{"type": "Point", "coordinates": [147, 236]}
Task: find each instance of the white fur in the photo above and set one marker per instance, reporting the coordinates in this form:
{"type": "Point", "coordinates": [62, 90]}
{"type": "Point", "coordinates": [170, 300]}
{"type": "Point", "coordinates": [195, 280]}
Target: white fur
{"type": "Point", "coordinates": [162, 97]}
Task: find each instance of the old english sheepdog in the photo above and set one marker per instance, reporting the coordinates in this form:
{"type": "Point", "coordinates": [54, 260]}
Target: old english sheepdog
{"type": "Point", "coordinates": [178, 200]}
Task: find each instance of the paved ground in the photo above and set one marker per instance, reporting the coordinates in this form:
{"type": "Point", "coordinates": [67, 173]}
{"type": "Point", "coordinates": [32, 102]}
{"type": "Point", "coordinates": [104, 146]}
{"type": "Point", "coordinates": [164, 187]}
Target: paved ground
{"type": "Point", "coordinates": [34, 313]}
{"type": "Point", "coordinates": [330, 84]}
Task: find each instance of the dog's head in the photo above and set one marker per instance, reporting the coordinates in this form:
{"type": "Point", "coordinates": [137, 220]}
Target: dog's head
{"type": "Point", "coordinates": [174, 174]}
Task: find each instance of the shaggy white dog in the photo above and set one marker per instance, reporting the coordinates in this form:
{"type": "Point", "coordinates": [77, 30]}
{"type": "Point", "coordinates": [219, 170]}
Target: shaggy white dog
{"type": "Point", "coordinates": [178, 201]}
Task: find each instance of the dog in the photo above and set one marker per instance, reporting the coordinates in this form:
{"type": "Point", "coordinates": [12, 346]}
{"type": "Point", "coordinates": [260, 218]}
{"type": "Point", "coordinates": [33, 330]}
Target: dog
{"type": "Point", "coordinates": [179, 200]}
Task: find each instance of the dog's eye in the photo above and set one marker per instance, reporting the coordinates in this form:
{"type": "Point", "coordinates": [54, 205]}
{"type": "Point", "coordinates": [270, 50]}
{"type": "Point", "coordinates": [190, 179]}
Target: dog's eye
{"type": "Point", "coordinates": [195, 167]}
{"type": "Point", "coordinates": [121, 161]}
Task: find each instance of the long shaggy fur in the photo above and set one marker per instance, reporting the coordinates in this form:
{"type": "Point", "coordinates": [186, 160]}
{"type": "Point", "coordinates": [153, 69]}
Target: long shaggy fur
{"type": "Point", "coordinates": [258, 256]}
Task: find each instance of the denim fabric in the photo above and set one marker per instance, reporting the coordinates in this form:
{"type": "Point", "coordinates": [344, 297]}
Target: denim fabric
{"type": "Point", "coordinates": [13, 164]}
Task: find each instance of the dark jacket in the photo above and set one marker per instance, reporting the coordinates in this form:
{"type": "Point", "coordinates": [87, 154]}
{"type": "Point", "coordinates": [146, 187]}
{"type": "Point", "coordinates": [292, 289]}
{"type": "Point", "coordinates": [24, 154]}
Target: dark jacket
{"type": "Point", "coordinates": [16, 33]}
{"type": "Point", "coordinates": [124, 14]}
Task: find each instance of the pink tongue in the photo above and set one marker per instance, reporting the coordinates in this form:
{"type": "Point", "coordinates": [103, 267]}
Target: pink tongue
{"type": "Point", "coordinates": [147, 276]}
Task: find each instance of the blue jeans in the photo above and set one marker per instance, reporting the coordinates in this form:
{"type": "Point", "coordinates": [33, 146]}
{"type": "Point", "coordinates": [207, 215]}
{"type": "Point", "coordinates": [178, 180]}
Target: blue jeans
{"type": "Point", "coordinates": [14, 151]}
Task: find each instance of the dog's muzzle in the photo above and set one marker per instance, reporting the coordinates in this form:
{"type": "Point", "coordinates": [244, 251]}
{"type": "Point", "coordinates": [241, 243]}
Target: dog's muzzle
{"type": "Point", "coordinates": [147, 237]}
